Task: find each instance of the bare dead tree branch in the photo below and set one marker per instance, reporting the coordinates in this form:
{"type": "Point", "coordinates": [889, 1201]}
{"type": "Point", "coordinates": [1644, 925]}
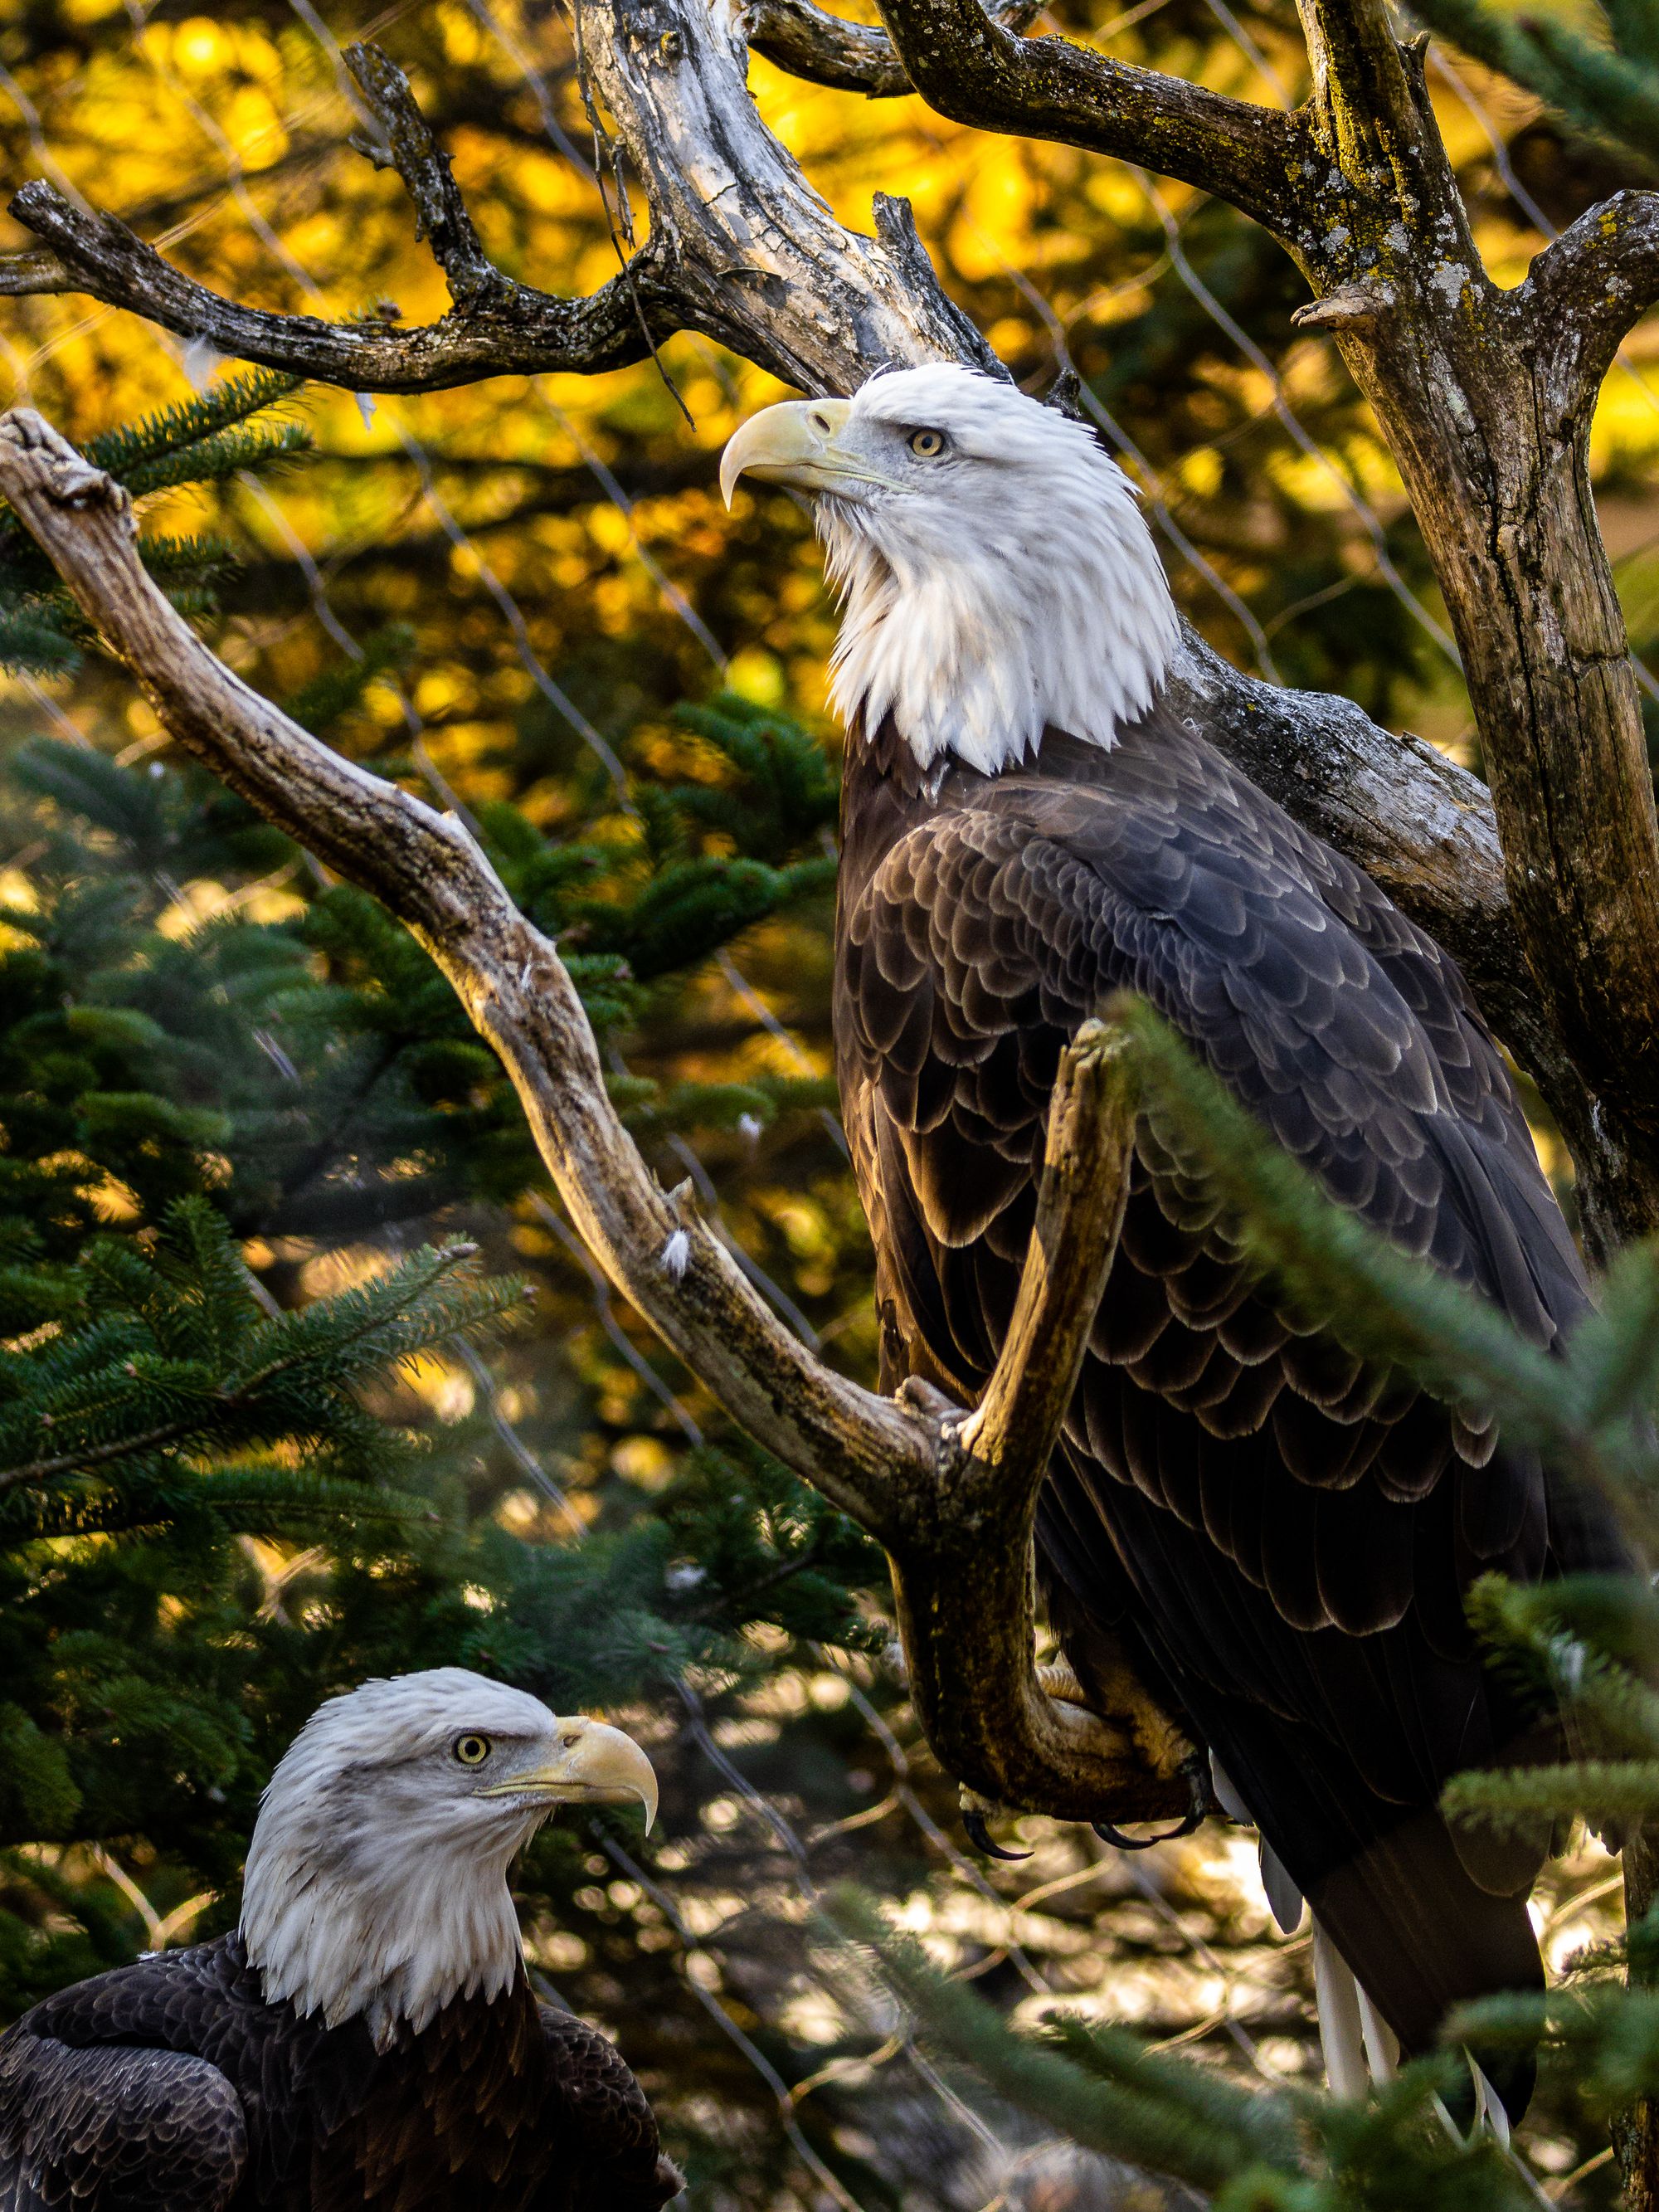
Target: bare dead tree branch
{"type": "Point", "coordinates": [1484, 397]}
{"type": "Point", "coordinates": [974, 1567]}
{"type": "Point", "coordinates": [971, 69]}
{"type": "Point", "coordinates": [24, 274]}
{"type": "Point", "coordinates": [761, 260]}
{"type": "Point", "coordinates": [512, 329]}
{"type": "Point", "coordinates": [496, 324]}
{"type": "Point", "coordinates": [951, 1499]}
{"type": "Point", "coordinates": [809, 42]}
{"type": "Point", "coordinates": [1365, 106]}
{"type": "Point", "coordinates": [1086, 1185]}
{"type": "Point", "coordinates": [442, 219]}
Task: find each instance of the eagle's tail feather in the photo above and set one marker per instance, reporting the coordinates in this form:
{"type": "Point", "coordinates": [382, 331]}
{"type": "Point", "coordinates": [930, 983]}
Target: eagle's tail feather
{"type": "Point", "coordinates": [1359, 2046]}
{"type": "Point", "coordinates": [1361, 2049]}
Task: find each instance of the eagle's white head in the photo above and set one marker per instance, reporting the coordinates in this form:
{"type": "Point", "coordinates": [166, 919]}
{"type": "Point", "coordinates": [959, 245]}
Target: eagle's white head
{"type": "Point", "coordinates": [996, 574]}
{"type": "Point", "coordinates": [376, 1880]}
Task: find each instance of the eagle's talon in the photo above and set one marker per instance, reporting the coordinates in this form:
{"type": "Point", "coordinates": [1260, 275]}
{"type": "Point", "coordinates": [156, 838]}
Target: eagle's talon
{"type": "Point", "coordinates": [920, 1397]}
{"type": "Point", "coordinates": [1196, 1771]}
{"type": "Point", "coordinates": [982, 1839]}
{"type": "Point", "coordinates": [1120, 1842]}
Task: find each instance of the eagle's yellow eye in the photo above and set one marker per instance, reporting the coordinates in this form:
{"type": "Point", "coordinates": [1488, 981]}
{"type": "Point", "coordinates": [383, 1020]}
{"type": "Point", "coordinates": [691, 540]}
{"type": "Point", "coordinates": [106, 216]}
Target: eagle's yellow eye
{"type": "Point", "coordinates": [928, 445]}
{"type": "Point", "coordinates": [472, 1750]}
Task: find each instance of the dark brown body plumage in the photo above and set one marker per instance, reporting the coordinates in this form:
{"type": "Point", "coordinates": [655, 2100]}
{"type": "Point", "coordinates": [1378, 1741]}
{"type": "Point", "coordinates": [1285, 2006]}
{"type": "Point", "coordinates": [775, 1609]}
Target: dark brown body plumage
{"type": "Point", "coordinates": [1278, 1543]}
{"type": "Point", "coordinates": [171, 2085]}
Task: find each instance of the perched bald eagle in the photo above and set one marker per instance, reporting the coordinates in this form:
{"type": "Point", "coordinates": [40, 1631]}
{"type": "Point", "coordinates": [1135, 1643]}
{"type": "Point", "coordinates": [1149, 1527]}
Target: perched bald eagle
{"type": "Point", "coordinates": [1277, 1543]}
{"type": "Point", "coordinates": [368, 2038]}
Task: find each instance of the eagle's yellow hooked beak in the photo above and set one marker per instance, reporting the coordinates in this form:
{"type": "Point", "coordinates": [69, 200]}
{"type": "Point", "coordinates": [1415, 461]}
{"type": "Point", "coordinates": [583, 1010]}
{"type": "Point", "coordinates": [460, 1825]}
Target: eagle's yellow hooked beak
{"type": "Point", "coordinates": [594, 1764]}
{"type": "Point", "coordinates": [794, 443]}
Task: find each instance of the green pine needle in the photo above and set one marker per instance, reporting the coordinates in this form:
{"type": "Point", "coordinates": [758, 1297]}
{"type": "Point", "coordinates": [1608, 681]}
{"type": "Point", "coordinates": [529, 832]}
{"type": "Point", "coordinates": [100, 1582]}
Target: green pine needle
{"type": "Point", "coordinates": [1626, 1791]}
{"type": "Point", "coordinates": [1608, 94]}
{"type": "Point", "coordinates": [199, 422]}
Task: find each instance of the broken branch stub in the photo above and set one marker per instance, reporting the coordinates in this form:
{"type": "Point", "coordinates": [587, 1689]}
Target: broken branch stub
{"type": "Point", "coordinates": [956, 1525]}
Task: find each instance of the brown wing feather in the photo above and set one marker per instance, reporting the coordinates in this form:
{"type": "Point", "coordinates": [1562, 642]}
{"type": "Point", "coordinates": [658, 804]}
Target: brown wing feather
{"type": "Point", "coordinates": [128, 2089]}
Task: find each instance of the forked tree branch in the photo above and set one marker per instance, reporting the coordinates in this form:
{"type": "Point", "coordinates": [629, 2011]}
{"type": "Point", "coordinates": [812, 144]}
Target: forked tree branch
{"type": "Point", "coordinates": [952, 1498]}
{"type": "Point", "coordinates": [442, 217]}
{"type": "Point", "coordinates": [1009, 1436]}
{"type": "Point", "coordinates": [967, 1585]}
{"type": "Point", "coordinates": [496, 326]}
{"type": "Point", "coordinates": [507, 329]}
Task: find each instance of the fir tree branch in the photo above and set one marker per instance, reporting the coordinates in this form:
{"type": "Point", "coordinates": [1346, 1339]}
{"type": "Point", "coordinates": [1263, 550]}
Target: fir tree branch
{"type": "Point", "coordinates": [370, 1327]}
{"type": "Point", "coordinates": [741, 1604]}
{"type": "Point", "coordinates": [1612, 95]}
{"type": "Point", "coordinates": [1598, 1790]}
{"type": "Point", "coordinates": [85, 1458]}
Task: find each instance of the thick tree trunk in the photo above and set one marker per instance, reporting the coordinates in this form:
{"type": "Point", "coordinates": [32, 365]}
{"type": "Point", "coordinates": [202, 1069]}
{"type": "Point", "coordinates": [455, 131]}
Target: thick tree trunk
{"type": "Point", "coordinates": [1484, 398]}
{"type": "Point", "coordinates": [1494, 461]}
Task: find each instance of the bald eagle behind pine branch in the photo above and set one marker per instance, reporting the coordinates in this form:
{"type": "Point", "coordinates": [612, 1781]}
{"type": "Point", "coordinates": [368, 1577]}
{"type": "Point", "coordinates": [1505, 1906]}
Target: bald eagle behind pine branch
{"type": "Point", "coordinates": [1279, 1548]}
{"type": "Point", "coordinates": [366, 2041]}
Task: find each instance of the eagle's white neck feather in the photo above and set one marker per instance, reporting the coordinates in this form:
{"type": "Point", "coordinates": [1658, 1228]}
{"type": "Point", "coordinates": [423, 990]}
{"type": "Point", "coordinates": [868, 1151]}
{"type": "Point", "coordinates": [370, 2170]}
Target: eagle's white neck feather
{"type": "Point", "coordinates": [371, 1888]}
{"type": "Point", "coordinates": [1023, 592]}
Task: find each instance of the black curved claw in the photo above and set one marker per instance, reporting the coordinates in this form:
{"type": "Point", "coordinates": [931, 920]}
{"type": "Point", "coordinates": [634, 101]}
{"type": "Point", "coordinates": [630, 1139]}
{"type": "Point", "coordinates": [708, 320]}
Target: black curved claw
{"type": "Point", "coordinates": [1119, 1841]}
{"type": "Point", "coordinates": [980, 1836]}
{"type": "Point", "coordinates": [1192, 1818]}
{"type": "Point", "coordinates": [1196, 1770]}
